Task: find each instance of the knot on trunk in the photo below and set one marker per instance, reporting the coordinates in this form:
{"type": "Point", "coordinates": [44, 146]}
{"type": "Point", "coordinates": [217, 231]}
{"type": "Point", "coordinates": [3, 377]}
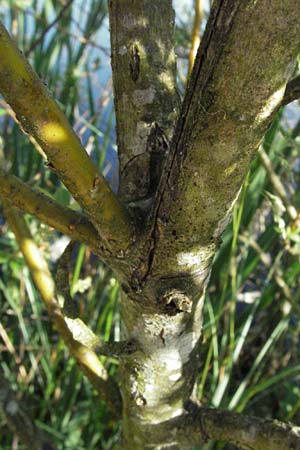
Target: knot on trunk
{"type": "Point", "coordinates": [175, 301]}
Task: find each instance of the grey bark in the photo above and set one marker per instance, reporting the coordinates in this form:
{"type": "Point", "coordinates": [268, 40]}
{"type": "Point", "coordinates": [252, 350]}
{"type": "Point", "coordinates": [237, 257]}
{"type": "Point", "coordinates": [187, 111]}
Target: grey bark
{"type": "Point", "coordinates": [180, 191]}
{"type": "Point", "coordinates": [245, 59]}
{"type": "Point", "coordinates": [146, 100]}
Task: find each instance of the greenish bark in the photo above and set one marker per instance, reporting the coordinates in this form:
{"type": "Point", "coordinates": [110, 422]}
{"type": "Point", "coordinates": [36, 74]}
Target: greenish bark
{"type": "Point", "coordinates": [158, 379]}
{"type": "Point", "coordinates": [238, 82]}
{"type": "Point", "coordinates": [247, 55]}
{"type": "Point", "coordinates": [245, 60]}
{"type": "Point", "coordinates": [146, 100]}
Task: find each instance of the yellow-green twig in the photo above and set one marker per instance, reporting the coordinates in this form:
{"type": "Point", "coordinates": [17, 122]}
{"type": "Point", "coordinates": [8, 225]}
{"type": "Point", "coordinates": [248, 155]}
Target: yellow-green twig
{"type": "Point", "coordinates": [82, 351]}
{"type": "Point", "coordinates": [40, 116]}
{"type": "Point", "coordinates": [63, 219]}
{"type": "Point", "coordinates": [195, 35]}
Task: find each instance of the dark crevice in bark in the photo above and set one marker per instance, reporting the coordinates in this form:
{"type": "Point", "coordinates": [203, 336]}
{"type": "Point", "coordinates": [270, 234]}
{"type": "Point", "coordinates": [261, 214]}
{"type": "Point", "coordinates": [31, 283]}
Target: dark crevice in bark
{"type": "Point", "coordinates": [176, 153]}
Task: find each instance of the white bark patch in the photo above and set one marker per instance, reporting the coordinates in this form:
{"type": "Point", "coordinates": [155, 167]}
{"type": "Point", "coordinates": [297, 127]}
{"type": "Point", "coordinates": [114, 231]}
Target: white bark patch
{"type": "Point", "coordinates": [171, 358]}
{"type": "Point", "coordinates": [175, 376]}
{"type": "Point", "coordinates": [273, 101]}
{"type": "Point", "coordinates": [190, 258]}
{"type": "Point", "coordinates": [122, 50]}
{"type": "Point", "coordinates": [194, 259]}
{"type": "Point", "coordinates": [144, 96]}
{"type": "Point", "coordinates": [137, 142]}
{"type": "Point", "coordinates": [168, 365]}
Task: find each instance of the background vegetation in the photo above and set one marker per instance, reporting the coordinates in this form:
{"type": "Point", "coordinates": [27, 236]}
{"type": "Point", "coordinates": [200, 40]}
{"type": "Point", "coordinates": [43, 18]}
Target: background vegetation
{"type": "Point", "coordinates": [250, 353]}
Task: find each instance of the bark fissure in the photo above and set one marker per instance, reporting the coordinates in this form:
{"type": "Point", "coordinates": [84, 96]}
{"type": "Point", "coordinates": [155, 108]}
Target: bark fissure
{"type": "Point", "coordinates": [194, 178]}
{"type": "Point", "coordinates": [176, 152]}
{"type": "Point", "coordinates": [143, 63]}
{"type": "Point", "coordinates": [217, 130]}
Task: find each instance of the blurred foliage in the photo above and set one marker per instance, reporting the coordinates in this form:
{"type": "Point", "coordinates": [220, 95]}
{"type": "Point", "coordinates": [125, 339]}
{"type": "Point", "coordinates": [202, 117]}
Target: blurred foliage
{"type": "Point", "coordinates": [250, 352]}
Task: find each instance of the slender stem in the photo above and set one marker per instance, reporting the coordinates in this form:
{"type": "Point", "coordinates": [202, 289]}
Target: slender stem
{"type": "Point", "coordinates": [145, 95]}
{"type": "Point", "coordinates": [195, 34]}
{"type": "Point", "coordinates": [40, 116]}
{"type": "Point", "coordinates": [48, 27]}
{"type": "Point", "coordinates": [81, 332]}
{"type": "Point", "coordinates": [246, 432]}
{"type": "Point", "coordinates": [75, 334]}
{"type": "Point", "coordinates": [63, 219]}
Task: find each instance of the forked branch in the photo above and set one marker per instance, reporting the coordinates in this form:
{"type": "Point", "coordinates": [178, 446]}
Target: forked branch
{"type": "Point", "coordinates": [40, 116]}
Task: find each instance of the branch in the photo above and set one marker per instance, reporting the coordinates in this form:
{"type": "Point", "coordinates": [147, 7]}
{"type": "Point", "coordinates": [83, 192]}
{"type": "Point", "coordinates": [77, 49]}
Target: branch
{"type": "Point", "coordinates": [145, 95]}
{"type": "Point", "coordinates": [233, 94]}
{"type": "Point", "coordinates": [63, 219]}
{"type": "Point", "coordinates": [246, 432]}
{"type": "Point", "coordinates": [41, 117]}
{"type": "Point", "coordinates": [77, 343]}
{"type": "Point", "coordinates": [292, 91]}
{"type": "Point", "coordinates": [80, 331]}
{"type": "Point", "coordinates": [18, 419]}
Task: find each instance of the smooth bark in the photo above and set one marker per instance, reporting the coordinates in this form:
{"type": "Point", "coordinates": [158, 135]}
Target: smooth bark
{"type": "Point", "coordinates": [40, 116]}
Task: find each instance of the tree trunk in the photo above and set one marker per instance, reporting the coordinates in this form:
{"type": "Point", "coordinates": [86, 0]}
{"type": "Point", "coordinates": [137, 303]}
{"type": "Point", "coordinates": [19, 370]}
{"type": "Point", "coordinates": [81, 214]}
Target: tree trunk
{"type": "Point", "coordinates": [158, 380]}
{"type": "Point", "coordinates": [180, 175]}
{"type": "Point", "coordinates": [163, 296]}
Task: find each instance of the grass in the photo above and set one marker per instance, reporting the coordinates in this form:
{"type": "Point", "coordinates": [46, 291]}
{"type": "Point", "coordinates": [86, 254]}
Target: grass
{"type": "Point", "coordinates": [250, 350]}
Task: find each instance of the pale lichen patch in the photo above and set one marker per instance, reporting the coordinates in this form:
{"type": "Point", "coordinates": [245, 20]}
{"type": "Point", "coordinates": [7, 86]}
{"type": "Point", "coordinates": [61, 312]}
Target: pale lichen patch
{"type": "Point", "coordinates": [122, 50]}
{"type": "Point", "coordinates": [136, 142]}
{"type": "Point", "coordinates": [132, 21]}
{"type": "Point", "coordinates": [144, 96]}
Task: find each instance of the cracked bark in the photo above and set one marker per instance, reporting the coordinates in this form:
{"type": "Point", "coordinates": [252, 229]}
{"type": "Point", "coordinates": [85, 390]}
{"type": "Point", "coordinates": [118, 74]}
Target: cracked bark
{"type": "Point", "coordinates": [244, 62]}
{"type": "Point", "coordinates": [231, 100]}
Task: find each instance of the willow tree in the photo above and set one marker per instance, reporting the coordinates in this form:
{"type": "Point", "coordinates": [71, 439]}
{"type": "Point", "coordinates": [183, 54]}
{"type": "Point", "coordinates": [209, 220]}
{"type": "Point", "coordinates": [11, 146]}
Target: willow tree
{"type": "Point", "coordinates": [181, 170]}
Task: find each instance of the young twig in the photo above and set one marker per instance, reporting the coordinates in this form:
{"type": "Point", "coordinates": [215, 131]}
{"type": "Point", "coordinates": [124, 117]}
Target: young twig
{"type": "Point", "coordinates": [76, 334]}
{"type": "Point", "coordinates": [41, 117]}
{"type": "Point", "coordinates": [195, 42]}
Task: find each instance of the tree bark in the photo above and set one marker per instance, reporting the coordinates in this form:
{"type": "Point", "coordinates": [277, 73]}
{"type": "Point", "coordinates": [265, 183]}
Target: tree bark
{"type": "Point", "coordinates": [146, 99]}
{"type": "Point", "coordinates": [245, 59]}
{"type": "Point", "coordinates": [238, 82]}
